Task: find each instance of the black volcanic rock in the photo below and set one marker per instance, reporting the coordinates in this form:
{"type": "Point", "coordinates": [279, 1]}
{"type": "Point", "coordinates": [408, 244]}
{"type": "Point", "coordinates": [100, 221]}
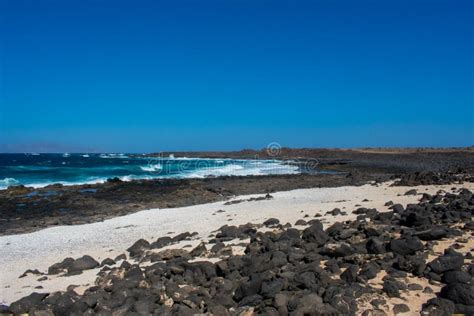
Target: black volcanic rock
{"type": "Point", "coordinates": [315, 234]}
{"type": "Point", "coordinates": [400, 308]}
{"type": "Point", "coordinates": [301, 222]}
{"type": "Point", "coordinates": [83, 263]}
{"type": "Point", "coordinates": [392, 287]}
{"type": "Point", "coordinates": [60, 266]}
{"type": "Point", "coordinates": [406, 246]}
{"type": "Point", "coordinates": [456, 277]}
{"type": "Point", "coordinates": [416, 216]}
{"type": "Point", "coordinates": [199, 250]}
{"type": "Point", "coordinates": [459, 293]}
{"type": "Point", "coordinates": [334, 212]}
{"type": "Point", "coordinates": [438, 307]}
{"type": "Point", "coordinates": [397, 208]}
{"type": "Point", "coordinates": [161, 242]}
{"type": "Point", "coordinates": [284, 271]}
{"type": "Point", "coordinates": [107, 261]}
{"type": "Point", "coordinates": [414, 264]}
{"type": "Point", "coordinates": [23, 305]}
{"type": "Point", "coordinates": [337, 250]}
{"type": "Point", "coordinates": [375, 246]}
{"type": "Point", "coordinates": [30, 271]}
{"type": "Point", "coordinates": [271, 222]}
{"type": "Point", "coordinates": [138, 248]}
{"type": "Point", "coordinates": [446, 263]}
{"type": "Point", "coordinates": [350, 275]}
{"type": "Point", "coordinates": [432, 234]}
{"type": "Point", "coordinates": [183, 236]}
{"type": "Point", "coordinates": [370, 270]}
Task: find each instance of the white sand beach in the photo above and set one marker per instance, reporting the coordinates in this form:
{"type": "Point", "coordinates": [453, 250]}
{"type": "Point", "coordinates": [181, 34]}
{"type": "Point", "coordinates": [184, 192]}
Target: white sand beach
{"type": "Point", "coordinates": [112, 237]}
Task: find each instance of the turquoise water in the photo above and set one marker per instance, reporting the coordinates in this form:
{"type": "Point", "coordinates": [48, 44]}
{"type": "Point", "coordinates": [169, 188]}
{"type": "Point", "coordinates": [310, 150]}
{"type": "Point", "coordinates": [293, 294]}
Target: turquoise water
{"type": "Point", "coordinates": [39, 170]}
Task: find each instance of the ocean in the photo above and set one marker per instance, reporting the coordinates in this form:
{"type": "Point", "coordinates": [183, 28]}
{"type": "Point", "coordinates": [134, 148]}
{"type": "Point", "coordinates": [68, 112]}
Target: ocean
{"type": "Point", "coordinates": [38, 170]}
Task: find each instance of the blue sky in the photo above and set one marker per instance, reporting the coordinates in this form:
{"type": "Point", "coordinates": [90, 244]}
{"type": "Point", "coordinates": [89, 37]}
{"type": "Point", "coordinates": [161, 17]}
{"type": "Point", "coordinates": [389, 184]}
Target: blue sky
{"type": "Point", "coordinates": [140, 76]}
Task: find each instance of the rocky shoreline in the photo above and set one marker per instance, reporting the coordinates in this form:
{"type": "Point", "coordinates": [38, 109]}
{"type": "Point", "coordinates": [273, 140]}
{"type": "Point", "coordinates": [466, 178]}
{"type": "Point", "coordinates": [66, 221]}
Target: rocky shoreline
{"type": "Point", "coordinates": [27, 209]}
{"type": "Point", "coordinates": [408, 260]}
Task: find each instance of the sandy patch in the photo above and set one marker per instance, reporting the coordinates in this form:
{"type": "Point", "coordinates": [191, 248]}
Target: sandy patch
{"type": "Point", "coordinates": [41, 249]}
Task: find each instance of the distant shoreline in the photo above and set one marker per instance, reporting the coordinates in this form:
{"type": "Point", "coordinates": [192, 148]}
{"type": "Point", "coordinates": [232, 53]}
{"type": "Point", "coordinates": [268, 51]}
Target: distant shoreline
{"type": "Point", "coordinates": [203, 153]}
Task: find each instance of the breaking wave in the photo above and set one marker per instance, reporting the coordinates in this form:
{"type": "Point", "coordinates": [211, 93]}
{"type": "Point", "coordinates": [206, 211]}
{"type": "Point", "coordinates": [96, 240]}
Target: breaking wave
{"type": "Point", "coordinates": [152, 168]}
{"type": "Point", "coordinates": [5, 183]}
{"type": "Point", "coordinates": [47, 169]}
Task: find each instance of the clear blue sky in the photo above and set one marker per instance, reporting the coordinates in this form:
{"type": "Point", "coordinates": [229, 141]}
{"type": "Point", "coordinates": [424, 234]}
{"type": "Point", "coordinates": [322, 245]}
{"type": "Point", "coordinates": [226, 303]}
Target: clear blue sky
{"type": "Point", "coordinates": [202, 75]}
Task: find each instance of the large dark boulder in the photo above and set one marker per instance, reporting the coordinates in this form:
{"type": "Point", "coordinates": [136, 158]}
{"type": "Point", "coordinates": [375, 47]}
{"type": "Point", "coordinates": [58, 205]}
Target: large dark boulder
{"type": "Point", "coordinates": [400, 308]}
{"type": "Point", "coordinates": [393, 287]}
{"type": "Point", "coordinates": [249, 288]}
{"type": "Point", "coordinates": [375, 246]}
{"type": "Point", "coordinates": [83, 263]}
{"type": "Point", "coordinates": [107, 262]}
{"type": "Point", "coordinates": [437, 307]}
{"type": "Point", "coordinates": [446, 263]}
{"type": "Point", "coordinates": [406, 246]}
{"type": "Point", "coordinates": [414, 264]}
{"type": "Point", "coordinates": [162, 242]}
{"type": "Point", "coordinates": [459, 293]}
{"type": "Point", "coordinates": [350, 275]}
{"type": "Point", "coordinates": [337, 250]}
{"type": "Point", "coordinates": [416, 216]}
{"type": "Point", "coordinates": [370, 270]}
{"type": "Point", "coordinates": [464, 309]}
{"type": "Point", "coordinates": [23, 305]}
{"type": "Point", "coordinates": [456, 277]}
{"type": "Point", "coordinates": [397, 208]}
{"type": "Point", "coordinates": [301, 222]}
{"type": "Point", "coordinates": [229, 232]}
{"type": "Point", "coordinates": [271, 288]}
{"type": "Point", "coordinates": [200, 272]}
{"type": "Point", "coordinates": [315, 234]}
{"type": "Point", "coordinates": [138, 248]}
{"type": "Point", "coordinates": [60, 266]}
{"type": "Point", "coordinates": [432, 234]}
{"type": "Point", "coordinates": [271, 222]}
{"type": "Point", "coordinates": [335, 229]}
{"type": "Point", "coordinates": [63, 305]}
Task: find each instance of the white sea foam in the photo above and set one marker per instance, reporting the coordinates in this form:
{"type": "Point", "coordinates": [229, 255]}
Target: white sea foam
{"type": "Point", "coordinates": [135, 177]}
{"type": "Point", "coordinates": [6, 182]}
{"type": "Point", "coordinates": [152, 168]}
{"type": "Point", "coordinates": [236, 168]}
{"type": "Point", "coordinates": [250, 169]}
{"type": "Point", "coordinates": [65, 183]}
{"type": "Point", "coordinates": [113, 156]}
